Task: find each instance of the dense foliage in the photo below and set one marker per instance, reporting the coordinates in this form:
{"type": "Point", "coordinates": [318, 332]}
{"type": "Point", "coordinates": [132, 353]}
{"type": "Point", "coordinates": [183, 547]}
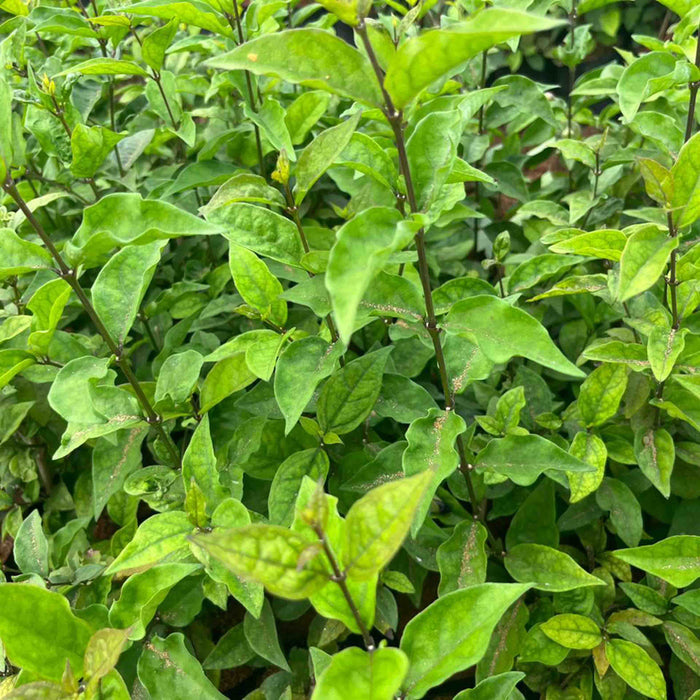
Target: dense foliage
{"type": "Point", "coordinates": [349, 350]}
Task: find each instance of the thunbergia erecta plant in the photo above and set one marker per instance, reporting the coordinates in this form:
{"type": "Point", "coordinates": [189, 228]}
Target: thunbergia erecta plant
{"type": "Point", "coordinates": [349, 350]}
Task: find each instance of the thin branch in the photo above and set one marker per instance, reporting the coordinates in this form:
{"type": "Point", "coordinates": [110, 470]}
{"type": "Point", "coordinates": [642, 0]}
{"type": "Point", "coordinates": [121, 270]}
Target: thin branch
{"type": "Point", "coordinates": [238, 28]}
{"type": "Point", "coordinates": [293, 212]}
{"type": "Point", "coordinates": [69, 275]}
{"type": "Point", "coordinates": [395, 118]}
{"type": "Point", "coordinates": [339, 577]}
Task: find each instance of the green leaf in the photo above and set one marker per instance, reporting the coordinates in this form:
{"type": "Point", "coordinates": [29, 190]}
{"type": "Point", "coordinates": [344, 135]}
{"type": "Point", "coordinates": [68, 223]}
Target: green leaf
{"type": "Point", "coordinates": [178, 376]}
{"type": "Point", "coordinates": [686, 184]}
{"type": "Point", "coordinates": [431, 151]}
{"type": "Point", "coordinates": [675, 559]}
{"type": "Point", "coordinates": [261, 634]}
{"type": "Point", "coordinates": [106, 66]}
{"type": "Point", "coordinates": [141, 595]}
{"type": "Point", "coordinates": [535, 519]}
{"type": "Point", "coordinates": [102, 653]}
{"type": "Point", "coordinates": [462, 557]}
{"type": "Point", "coordinates": [90, 146]}
{"type": "Point", "coordinates": [320, 154]}
{"type": "Point", "coordinates": [353, 673]}
{"type": "Point", "coordinates": [636, 668]}
{"type": "Point", "coordinates": [573, 631]}
{"type": "Point", "coordinates": [606, 243]}
{"type": "Point", "coordinates": [244, 187]}
{"type": "Point", "coordinates": [498, 687]}
{"type": "Point", "coordinates": [112, 462]}
{"type": "Point", "coordinates": [226, 377]}
{"type": "Point", "coordinates": [160, 538]}
{"type": "Point", "coordinates": [685, 645]}
{"type": "Point", "coordinates": [39, 631]}
{"type": "Point", "coordinates": [269, 116]}
{"type": "Point", "coordinates": [256, 284]}
{"type": "Point", "coordinates": [118, 220]}
{"type": "Point", "coordinates": [502, 331]}
{"type": "Point", "coordinates": [121, 285]}
{"type": "Point", "coordinates": [260, 230]}
{"type": "Point", "coordinates": [636, 84]}
{"type": "Point", "coordinates": [310, 57]}
{"type": "Point", "coordinates": [362, 247]}
{"type": "Point", "coordinates": [18, 257]}
{"type": "Point", "coordinates": [643, 260]}
{"type": "Point", "coordinates": [547, 569]}
{"type": "Point", "coordinates": [619, 500]}
{"type": "Point", "coordinates": [590, 449]}
{"type": "Point", "coordinates": [601, 394]}
{"type": "Point", "coordinates": [167, 669]}
{"type": "Point", "coordinates": [270, 554]}
{"type": "Point", "coordinates": [196, 14]}
{"type": "Point", "coordinates": [349, 395]}
{"type": "Point", "coordinates": [199, 463]}
{"type": "Point", "coordinates": [522, 458]}
{"type": "Point", "coordinates": [377, 524]}
{"type": "Point", "coordinates": [663, 348]}
{"type": "Point", "coordinates": [656, 454]}
{"type": "Point", "coordinates": [431, 448]}
{"type": "Point", "coordinates": [430, 56]}
{"type": "Point", "coordinates": [156, 44]}
{"type": "Point", "coordinates": [287, 482]}
{"type": "Point", "coordinates": [300, 368]}
{"type": "Point", "coordinates": [31, 548]}
{"type": "Point", "coordinates": [230, 651]}
{"type": "Point", "coordinates": [452, 633]}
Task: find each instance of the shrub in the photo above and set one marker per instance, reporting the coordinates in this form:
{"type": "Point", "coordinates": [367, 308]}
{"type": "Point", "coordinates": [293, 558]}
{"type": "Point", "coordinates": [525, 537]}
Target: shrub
{"type": "Point", "coordinates": [344, 354]}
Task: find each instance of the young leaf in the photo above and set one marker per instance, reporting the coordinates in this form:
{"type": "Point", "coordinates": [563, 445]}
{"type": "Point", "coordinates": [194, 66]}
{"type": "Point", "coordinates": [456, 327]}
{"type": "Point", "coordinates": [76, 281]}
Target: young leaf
{"type": "Point", "coordinates": [269, 554]}
{"type": "Point", "coordinates": [675, 559]}
{"type": "Point", "coordinates": [377, 524]}
{"type": "Point", "coordinates": [256, 284]}
{"type": "Point", "coordinates": [453, 633]}
{"type": "Point", "coordinates": [573, 631]}
{"type": "Point", "coordinates": [636, 668]}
